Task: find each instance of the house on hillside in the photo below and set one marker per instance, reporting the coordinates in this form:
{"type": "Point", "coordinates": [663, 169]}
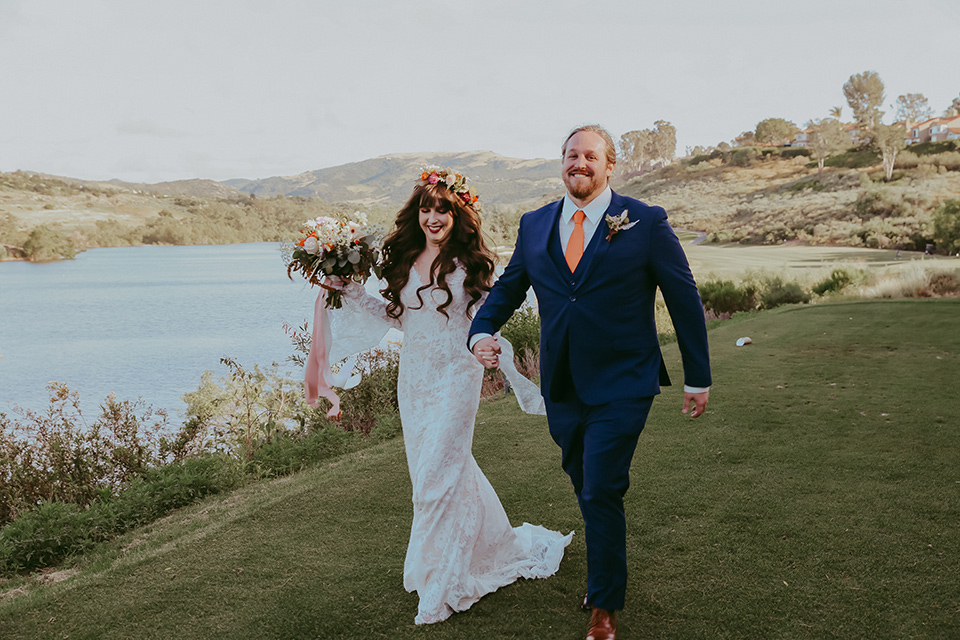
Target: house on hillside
{"type": "Point", "coordinates": [934, 130]}
{"type": "Point", "coordinates": [802, 139]}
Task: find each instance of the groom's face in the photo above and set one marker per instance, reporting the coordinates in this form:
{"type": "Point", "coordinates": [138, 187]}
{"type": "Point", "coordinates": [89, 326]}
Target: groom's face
{"type": "Point", "coordinates": [585, 166]}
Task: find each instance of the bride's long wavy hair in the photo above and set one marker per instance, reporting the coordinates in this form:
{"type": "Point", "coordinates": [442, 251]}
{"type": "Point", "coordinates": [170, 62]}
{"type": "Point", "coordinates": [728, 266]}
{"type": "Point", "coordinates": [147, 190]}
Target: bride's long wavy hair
{"type": "Point", "coordinates": [463, 243]}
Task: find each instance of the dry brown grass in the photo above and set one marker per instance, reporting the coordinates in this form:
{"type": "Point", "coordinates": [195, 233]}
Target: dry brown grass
{"type": "Point", "coordinates": [782, 200]}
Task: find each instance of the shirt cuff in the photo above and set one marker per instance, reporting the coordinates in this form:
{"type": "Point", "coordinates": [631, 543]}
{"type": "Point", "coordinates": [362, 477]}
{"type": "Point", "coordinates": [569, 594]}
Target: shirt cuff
{"type": "Point", "coordinates": [475, 338]}
{"type": "Point", "coordinates": [688, 389]}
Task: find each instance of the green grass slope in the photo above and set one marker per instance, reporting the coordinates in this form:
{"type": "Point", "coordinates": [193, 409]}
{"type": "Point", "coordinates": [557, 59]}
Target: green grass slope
{"type": "Point", "coordinates": [818, 498]}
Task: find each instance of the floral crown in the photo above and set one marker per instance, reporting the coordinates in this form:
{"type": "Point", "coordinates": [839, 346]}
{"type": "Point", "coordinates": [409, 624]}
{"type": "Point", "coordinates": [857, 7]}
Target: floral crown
{"type": "Point", "coordinates": [454, 181]}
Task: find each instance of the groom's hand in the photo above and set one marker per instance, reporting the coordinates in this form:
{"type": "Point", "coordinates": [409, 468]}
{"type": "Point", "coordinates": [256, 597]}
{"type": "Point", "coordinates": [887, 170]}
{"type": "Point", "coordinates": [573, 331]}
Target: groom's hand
{"type": "Point", "coordinates": [486, 351]}
{"type": "Point", "coordinates": [699, 401]}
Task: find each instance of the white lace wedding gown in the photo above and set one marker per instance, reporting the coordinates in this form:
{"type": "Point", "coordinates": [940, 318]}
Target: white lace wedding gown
{"type": "Point", "coordinates": [461, 543]}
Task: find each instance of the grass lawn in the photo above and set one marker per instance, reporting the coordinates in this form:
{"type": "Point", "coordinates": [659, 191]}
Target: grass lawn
{"type": "Point", "coordinates": [730, 261]}
{"type": "Point", "coordinates": [819, 497]}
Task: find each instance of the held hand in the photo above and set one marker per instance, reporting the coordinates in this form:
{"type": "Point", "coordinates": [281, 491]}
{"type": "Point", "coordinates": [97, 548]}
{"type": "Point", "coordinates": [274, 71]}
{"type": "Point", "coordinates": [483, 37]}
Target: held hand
{"type": "Point", "coordinates": [486, 350]}
{"type": "Point", "coordinates": [699, 401]}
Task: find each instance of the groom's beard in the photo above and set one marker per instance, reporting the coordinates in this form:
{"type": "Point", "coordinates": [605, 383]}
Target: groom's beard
{"type": "Point", "coordinates": [582, 189]}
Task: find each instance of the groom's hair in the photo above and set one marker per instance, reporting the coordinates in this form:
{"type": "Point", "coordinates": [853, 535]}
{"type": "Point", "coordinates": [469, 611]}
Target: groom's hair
{"type": "Point", "coordinates": [600, 131]}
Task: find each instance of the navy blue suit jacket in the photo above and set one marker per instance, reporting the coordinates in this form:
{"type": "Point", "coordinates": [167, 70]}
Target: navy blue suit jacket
{"type": "Point", "coordinates": [597, 324]}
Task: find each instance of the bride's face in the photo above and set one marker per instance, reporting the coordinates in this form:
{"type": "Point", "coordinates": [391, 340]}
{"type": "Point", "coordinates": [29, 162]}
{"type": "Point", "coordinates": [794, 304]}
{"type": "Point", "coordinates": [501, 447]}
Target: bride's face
{"type": "Point", "coordinates": [436, 222]}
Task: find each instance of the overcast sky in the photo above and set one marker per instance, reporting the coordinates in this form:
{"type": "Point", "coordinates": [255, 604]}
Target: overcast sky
{"type": "Point", "coordinates": [147, 90]}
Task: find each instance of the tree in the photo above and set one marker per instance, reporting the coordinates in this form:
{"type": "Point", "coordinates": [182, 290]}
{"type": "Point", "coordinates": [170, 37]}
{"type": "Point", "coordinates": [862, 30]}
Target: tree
{"type": "Point", "coordinates": [889, 141]}
{"type": "Point", "coordinates": [835, 112]}
{"type": "Point", "coordinates": [954, 109]}
{"type": "Point", "coordinates": [913, 108]}
{"type": "Point", "coordinates": [663, 141]}
{"type": "Point", "coordinates": [827, 137]}
{"type": "Point", "coordinates": [865, 93]}
{"type": "Point", "coordinates": [634, 150]}
{"type": "Point", "coordinates": [775, 131]}
{"type": "Point", "coordinates": [745, 139]}
{"type": "Point", "coordinates": [946, 226]}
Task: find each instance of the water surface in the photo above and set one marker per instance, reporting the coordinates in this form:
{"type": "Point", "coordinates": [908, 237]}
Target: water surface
{"type": "Point", "coordinates": [143, 322]}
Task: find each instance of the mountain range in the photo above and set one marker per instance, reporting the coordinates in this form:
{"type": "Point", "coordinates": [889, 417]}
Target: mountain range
{"type": "Point", "coordinates": [388, 180]}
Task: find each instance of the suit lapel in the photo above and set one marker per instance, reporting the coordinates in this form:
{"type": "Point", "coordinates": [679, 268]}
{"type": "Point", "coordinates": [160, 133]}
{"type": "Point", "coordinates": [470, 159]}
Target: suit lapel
{"type": "Point", "coordinates": [551, 245]}
{"type": "Point", "coordinates": [598, 246]}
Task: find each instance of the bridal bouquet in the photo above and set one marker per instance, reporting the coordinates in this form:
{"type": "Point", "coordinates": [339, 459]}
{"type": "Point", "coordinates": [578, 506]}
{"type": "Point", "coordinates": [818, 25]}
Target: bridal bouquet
{"type": "Point", "coordinates": [344, 247]}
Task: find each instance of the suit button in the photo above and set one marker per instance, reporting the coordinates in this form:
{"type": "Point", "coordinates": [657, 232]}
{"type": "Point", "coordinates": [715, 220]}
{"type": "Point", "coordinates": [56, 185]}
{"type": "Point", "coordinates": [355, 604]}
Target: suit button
{"type": "Point", "coordinates": [573, 298]}
{"type": "Point", "coordinates": [573, 283]}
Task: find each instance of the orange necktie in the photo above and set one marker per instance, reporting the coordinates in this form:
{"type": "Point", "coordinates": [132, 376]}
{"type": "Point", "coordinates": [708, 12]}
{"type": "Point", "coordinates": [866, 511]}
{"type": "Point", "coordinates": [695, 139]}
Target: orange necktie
{"type": "Point", "coordinates": [575, 246]}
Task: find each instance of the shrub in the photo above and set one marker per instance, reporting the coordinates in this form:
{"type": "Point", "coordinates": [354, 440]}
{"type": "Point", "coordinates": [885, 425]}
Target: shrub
{"type": "Point", "coordinates": [44, 244]}
{"type": "Point", "coordinates": [57, 530]}
{"type": "Point", "coordinates": [744, 157]}
{"type": "Point", "coordinates": [523, 331]}
{"type": "Point", "coordinates": [795, 152]}
{"type": "Point", "coordinates": [775, 292]}
{"type": "Point", "coordinates": [839, 278]}
{"type": "Point", "coordinates": [57, 456]}
{"type": "Point", "coordinates": [725, 297]}
{"type": "Point", "coordinates": [870, 204]}
{"type": "Point", "coordinates": [236, 413]}
{"type": "Point", "coordinates": [376, 395]}
{"type": "Point", "coordinates": [915, 280]}
{"type": "Point", "coordinates": [946, 226]}
{"type": "Point", "coordinates": [933, 148]}
{"type": "Point", "coordinates": [45, 536]}
{"type": "Point", "coordinates": [851, 160]}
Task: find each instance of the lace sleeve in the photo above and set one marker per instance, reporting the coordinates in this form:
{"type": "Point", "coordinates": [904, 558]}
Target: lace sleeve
{"type": "Point", "coordinates": [360, 324]}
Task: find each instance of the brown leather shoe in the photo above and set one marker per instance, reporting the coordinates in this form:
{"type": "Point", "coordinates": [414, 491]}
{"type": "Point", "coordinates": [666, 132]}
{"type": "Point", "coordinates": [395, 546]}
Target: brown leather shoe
{"type": "Point", "coordinates": [603, 625]}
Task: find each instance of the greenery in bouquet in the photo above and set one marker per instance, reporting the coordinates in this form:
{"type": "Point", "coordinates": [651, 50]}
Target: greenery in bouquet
{"type": "Point", "coordinates": [346, 247]}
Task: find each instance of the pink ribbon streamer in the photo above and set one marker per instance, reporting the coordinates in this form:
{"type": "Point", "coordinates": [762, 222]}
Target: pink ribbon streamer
{"type": "Point", "coordinates": [316, 373]}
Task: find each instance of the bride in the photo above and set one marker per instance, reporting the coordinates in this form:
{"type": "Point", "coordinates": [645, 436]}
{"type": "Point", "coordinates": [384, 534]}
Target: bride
{"type": "Point", "coordinates": [437, 271]}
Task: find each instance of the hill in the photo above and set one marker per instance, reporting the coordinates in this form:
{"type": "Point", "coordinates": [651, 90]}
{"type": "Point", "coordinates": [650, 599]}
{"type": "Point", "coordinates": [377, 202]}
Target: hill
{"type": "Point", "coordinates": [388, 180]}
{"type": "Point", "coordinates": [771, 199]}
{"type": "Point", "coordinates": [815, 499]}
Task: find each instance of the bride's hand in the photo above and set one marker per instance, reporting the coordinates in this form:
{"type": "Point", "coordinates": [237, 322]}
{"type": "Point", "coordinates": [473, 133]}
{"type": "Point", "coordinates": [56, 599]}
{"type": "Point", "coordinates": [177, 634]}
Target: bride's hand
{"type": "Point", "coordinates": [487, 352]}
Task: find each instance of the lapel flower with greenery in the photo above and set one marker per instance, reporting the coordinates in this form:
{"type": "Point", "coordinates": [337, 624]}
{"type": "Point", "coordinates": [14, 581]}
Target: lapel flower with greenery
{"type": "Point", "coordinates": [619, 223]}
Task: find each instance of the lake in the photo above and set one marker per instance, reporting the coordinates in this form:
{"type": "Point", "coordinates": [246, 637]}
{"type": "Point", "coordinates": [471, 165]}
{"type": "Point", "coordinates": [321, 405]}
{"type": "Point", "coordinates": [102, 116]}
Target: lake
{"type": "Point", "coordinates": [143, 322]}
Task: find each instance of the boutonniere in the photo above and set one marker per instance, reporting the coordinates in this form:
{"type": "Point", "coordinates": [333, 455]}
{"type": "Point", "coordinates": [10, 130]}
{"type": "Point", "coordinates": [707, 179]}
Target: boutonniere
{"type": "Point", "coordinates": [619, 223]}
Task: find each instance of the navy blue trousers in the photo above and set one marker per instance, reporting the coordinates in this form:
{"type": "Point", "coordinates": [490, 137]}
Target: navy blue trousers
{"type": "Point", "coordinates": [598, 443]}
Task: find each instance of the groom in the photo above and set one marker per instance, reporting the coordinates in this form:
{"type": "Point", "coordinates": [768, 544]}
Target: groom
{"type": "Point", "coordinates": [595, 260]}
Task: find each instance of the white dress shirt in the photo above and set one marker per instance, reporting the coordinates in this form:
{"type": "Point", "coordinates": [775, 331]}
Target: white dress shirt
{"type": "Point", "coordinates": [594, 212]}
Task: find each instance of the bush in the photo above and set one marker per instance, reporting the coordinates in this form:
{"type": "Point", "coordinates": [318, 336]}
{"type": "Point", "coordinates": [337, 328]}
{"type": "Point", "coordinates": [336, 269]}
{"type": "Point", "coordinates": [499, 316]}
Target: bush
{"type": "Point", "coordinates": [795, 152]}
{"type": "Point", "coordinates": [44, 244]}
{"type": "Point", "coordinates": [744, 157]}
{"type": "Point", "coordinates": [376, 396]}
{"type": "Point", "coordinates": [523, 331]}
{"type": "Point", "coordinates": [55, 531]}
{"type": "Point", "coordinates": [776, 292]}
{"type": "Point", "coordinates": [839, 278]}
{"type": "Point", "coordinates": [851, 160]}
{"type": "Point", "coordinates": [871, 204]}
{"type": "Point", "coordinates": [57, 456]}
{"type": "Point", "coordinates": [45, 536]}
{"type": "Point", "coordinates": [946, 226]}
{"type": "Point", "coordinates": [915, 280]}
{"type": "Point", "coordinates": [724, 297]}
{"type": "Point", "coordinates": [934, 148]}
